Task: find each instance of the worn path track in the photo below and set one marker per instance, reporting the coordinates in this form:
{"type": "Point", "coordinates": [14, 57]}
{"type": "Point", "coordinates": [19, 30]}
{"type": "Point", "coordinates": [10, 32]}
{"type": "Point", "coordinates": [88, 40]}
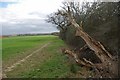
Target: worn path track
{"type": "Point", "coordinates": [10, 68]}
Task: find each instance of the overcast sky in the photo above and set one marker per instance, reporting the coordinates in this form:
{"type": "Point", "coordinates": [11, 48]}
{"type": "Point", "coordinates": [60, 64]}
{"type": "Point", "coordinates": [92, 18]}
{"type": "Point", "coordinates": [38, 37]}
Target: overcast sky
{"type": "Point", "coordinates": [27, 16]}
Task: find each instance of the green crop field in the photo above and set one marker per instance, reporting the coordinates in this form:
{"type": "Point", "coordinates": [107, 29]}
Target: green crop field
{"type": "Point", "coordinates": [34, 57]}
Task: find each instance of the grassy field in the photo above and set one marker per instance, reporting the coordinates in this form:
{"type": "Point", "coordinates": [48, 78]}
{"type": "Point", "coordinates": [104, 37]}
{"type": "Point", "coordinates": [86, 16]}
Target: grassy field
{"type": "Point", "coordinates": [15, 45]}
{"type": "Point", "coordinates": [48, 62]}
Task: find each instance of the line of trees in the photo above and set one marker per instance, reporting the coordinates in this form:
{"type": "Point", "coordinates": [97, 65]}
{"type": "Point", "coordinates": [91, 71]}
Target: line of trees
{"type": "Point", "coordinates": [78, 22]}
{"type": "Point", "coordinates": [99, 19]}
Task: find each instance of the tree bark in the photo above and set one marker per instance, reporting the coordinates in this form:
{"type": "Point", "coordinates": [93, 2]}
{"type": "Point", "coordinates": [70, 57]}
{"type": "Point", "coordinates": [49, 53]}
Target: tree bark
{"type": "Point", "coordinates": [105, 57]}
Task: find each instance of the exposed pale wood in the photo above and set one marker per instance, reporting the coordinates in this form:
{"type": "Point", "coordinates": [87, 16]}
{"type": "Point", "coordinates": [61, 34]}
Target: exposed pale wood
{"type": "Point", "coordinates": [96, 46]}
{"type": "Point", "coordinates": [82, 48]}
{"type": "Point", "coordinates": [88, 61]}
{"type": "Point", "coordinates": [75, 56]}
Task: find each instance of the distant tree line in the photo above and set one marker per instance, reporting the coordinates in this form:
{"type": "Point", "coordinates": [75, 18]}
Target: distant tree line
{"type": "Point", "coordinates": [32, 34]}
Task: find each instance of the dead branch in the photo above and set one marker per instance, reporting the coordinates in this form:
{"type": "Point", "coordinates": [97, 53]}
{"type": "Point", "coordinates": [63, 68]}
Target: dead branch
{"type": "Point", "coordinates": [96, 46]}
{"type": "Point", "coordinates": [88, 61]}
{"type": "Point", "coordinates": [75, 56]}
{"type": "Point", "coordinates": [84, 47]}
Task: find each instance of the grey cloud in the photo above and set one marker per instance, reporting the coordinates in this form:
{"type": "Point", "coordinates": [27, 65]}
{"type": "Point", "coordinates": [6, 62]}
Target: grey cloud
{"type": "Point", "coordinates": [27, 26]}
{"type": "Point", "coordinates": [39, 14]}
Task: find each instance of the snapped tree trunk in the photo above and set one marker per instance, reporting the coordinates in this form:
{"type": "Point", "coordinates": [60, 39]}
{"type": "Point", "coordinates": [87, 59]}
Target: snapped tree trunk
{"type": "Point", "coordinates": [100, 51]}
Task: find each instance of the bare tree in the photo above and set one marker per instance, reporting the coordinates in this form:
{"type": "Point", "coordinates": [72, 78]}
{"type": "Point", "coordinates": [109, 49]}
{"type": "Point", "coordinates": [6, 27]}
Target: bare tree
{"type": "Point", "coordinates": [70, 14]}
{"type": "Point", "coordinates": [98, 48]}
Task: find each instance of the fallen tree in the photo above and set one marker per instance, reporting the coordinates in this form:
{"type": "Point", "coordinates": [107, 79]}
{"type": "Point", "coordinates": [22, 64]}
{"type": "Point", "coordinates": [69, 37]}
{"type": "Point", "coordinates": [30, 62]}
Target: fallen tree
{"type": "Point", "coordinates": [69, 17]}
{"type": "Point", "coordinates": [108, 66]}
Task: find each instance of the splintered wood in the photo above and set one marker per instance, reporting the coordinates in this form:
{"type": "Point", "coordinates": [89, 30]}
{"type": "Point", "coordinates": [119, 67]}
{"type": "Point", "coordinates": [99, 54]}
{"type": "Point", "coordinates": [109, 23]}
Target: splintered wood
{"type": "Point", "coordinates": [100, 51]}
